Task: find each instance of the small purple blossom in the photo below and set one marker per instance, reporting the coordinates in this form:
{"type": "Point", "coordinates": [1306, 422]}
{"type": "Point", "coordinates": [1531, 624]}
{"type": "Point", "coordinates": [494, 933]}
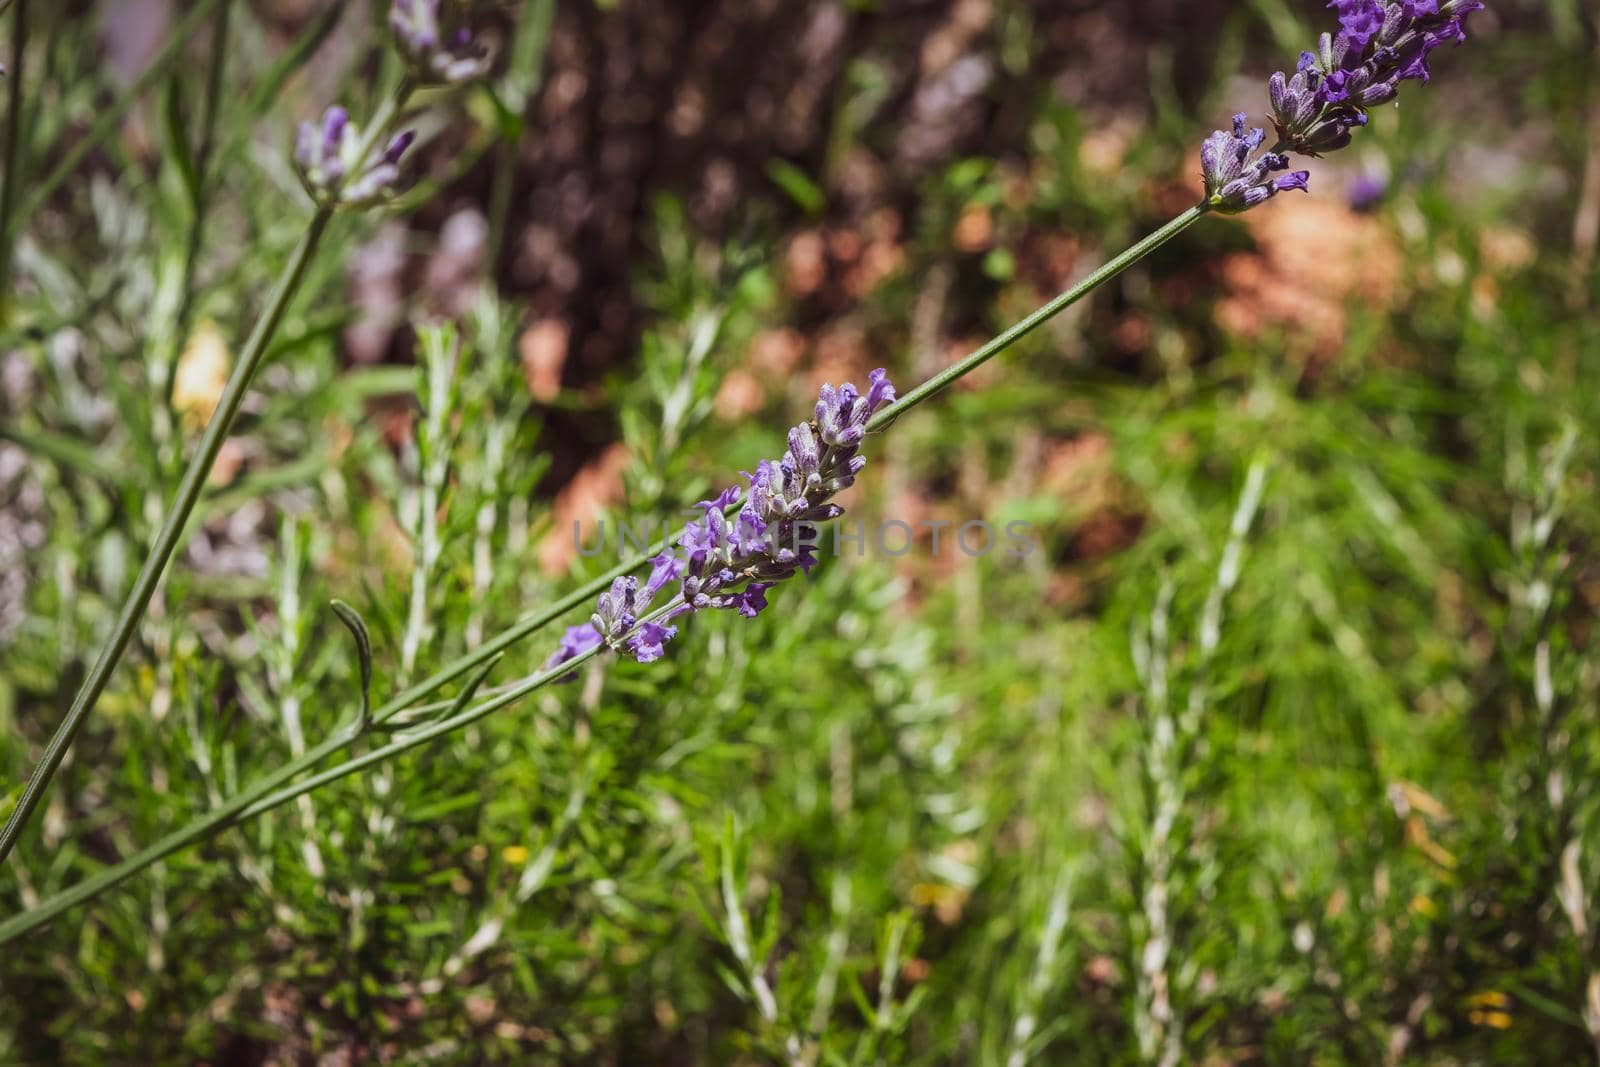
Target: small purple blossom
{"type": "Point", "coordinates": [664, 569]}
{"type": "Point", "coordinates": [436, 57]}
{"type": "Point", "coordinates": [1359, 21]}
{"type": "Point", "coordinates": [880, 390]}
{"type": "Point", "coordinates": [648, 643]}
{"type": "Point", "coordinates": [752, 599]}
{"type": "Point", "coordinates": [574, 643]}
{"type": "Point", "coordinates": [1237, 175]}
{"type": "Point", "coordinates": [328, 156]}
{"type": "Point", "coordinates": [731, 561]}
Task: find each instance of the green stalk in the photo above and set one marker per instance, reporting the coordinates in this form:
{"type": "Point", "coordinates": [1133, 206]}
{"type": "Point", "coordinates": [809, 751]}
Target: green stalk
{"type": "Point", "coordinates": [1089, 284]}
{"type": "Point", "coordinates": [272, 790]}
{"type": "Point", "coordinates": [174, 525]}
{"type": "Point", "coordinates": [421, 735]}
{"type": "Point", "coordinates": [13, 153]}
{"type": "Point", "coordinates": [171, 533]}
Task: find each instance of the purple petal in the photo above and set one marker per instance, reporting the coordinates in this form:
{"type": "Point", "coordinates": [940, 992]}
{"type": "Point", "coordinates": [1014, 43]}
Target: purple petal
{"type": "Point", "coordinates": [1293, 180]}
{"type": "Point", "coordinates": [334, 121]}
{"type": "Point", "coordinates": [398, 145]}
{"type": "Point", "coordinates": [881, 391]}
{"type": "Point", "coordinates": [647, 644]}
{"type": "Point", "coordinates": [574, 643]}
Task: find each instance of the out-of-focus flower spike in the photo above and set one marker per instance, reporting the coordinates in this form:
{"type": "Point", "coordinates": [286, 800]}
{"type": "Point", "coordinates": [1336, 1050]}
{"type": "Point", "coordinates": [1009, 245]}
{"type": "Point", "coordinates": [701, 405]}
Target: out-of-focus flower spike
{"type": "Point", "coordinates": [437, 55]}
{"type": "Point", "coordinates": [328, 158]}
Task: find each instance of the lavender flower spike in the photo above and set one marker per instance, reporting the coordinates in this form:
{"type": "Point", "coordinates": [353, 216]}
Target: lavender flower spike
{"type": "Point", "coordinates": [328, 158]}
{"type": "Point", "coordinates": [723, 563]}
{"type": "Point", "coordinates": [436, 56]}
{"type": "Point", "coordinates": [1380, 44]}
{"type": "Point", "coordinates": [1237, 175]}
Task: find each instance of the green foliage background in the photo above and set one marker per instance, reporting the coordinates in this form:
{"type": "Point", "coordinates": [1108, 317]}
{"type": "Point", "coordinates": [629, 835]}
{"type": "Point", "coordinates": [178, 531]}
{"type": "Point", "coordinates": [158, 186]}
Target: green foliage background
{"type": "Point", "coordinates": [911, 813]}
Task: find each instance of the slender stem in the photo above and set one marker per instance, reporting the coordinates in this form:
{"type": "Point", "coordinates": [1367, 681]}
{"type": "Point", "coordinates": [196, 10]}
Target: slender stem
{"type": "Point", "coordinates": [206, 825]}
{"type": "Point", "coordinates": [174, 525]}
{"type": "Point", "coordinates": [419, 736]}
{"type": "Point", "coordinates": [999, 344]}
{"type": "Point", "coordinates": [171, 533]}
{"type": "Point", "coordinates": [273, 790]}
{"type": "Point", "coordinates": [13, 154]}
{"type": "Point", "coordinates": [107, 120]}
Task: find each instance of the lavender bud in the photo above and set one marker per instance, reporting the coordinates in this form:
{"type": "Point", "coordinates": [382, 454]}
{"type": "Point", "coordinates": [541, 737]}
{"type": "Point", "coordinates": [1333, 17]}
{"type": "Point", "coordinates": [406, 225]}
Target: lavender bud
{"type": "Point", "coordinates": [803, 447]}
{"type": "Point", "coordinates": [397, 146]}
{"type": "Point", "coordinates": [614, 612]}
{"type": "Point", "coordinates": [328, 158]}
{"type": "Point", "coordinates": [1236, 177]}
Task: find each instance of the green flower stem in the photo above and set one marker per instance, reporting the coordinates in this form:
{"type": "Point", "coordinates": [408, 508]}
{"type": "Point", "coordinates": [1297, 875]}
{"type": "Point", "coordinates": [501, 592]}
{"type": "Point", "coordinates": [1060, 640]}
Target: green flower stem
{"type": "Point", "coordinates": [174, 525]}
{"type": "Point", "coordinates": [171, 533]}
{"type": "Point", "coordinates": [13, 150]}
{"type": "Point", "coordinates": [1089, 284]}
{"type": "Point", "coordinates": [419, 735]}
{"type": "Point", "coordinates": [274, 789]}
{"type": "Point", "coordinates": [199, 829]}
{"type": "Point", "coordinates": [272, 792]}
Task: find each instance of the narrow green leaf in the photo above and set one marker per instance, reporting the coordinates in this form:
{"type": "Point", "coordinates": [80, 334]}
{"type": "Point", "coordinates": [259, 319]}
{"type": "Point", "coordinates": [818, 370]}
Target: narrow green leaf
{"type": "Point", "coordinates": [178, 149]}
{"type": "Point", "coordinates": [358, 629]}
{"type": "Point", "coordinates": [801, 189]}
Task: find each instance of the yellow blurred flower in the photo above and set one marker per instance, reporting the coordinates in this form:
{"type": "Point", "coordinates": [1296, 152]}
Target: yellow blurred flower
{"type": "Point", "coordinates": [201, 375]}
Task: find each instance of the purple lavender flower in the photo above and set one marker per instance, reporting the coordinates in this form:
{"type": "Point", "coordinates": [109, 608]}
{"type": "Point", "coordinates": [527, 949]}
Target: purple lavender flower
{"type": "Point", "coordinates": [574, 643]}
{"type": "Point", "coordinates": [1238, 176]}
{"type": "Point", "coordinates": [618, 610]}
{"type": "Point", "coordinates": [648, 643]}
{"type": "Point", "coordinates": [1359, 20]}
{"type": "Point", "coordinates": [1366, 191]}
{"type": "Point", "coordinates": [751, 600]}
{"type": "Point", "coordinates": [880, 390]}
{"type": "Point", "coordinates": [328, 158]}
{"type": "Point", "coordinates": [664, 569]}
{"type": "Point", "coordinates": [731, 562]}
{"type": "Point", "coordinates": [436, 57]}
{"type": "Point", "coordinates": [1380, 44]}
